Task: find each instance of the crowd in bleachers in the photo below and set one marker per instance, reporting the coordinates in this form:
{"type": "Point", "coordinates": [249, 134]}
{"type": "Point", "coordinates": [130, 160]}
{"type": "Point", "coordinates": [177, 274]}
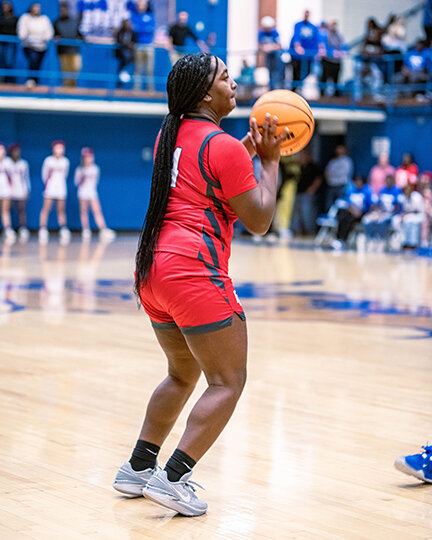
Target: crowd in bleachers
{"type": "Point", "coordinates": [313, 59]}
{"type": "Point", "coordinates": [390, 209]}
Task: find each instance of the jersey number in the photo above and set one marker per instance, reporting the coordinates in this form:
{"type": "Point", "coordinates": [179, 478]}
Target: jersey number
{"type": "Point", "coordinates": [174, 170]}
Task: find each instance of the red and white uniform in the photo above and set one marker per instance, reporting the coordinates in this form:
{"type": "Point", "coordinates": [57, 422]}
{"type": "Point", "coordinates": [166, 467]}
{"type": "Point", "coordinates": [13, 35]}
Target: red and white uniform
{"type": "Point", "coordinates": [6, 165]}
{"type": "Point", "coordinates": [20, 188]}
{"type": "Point", "coordinates": [86, 179]}
{"type": "Point", "coordinates": [189, 286]}
{"type": "Point", "coordinates": [54, 174]}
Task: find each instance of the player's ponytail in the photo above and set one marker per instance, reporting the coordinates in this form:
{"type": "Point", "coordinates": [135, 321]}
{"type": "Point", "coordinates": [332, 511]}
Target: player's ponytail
{"type": "Point", "coordinates": [188, 82]}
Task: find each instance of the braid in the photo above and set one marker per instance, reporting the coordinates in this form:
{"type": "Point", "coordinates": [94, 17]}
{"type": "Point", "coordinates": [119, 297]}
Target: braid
{"type": "Point", "coordinates": [188, 83]}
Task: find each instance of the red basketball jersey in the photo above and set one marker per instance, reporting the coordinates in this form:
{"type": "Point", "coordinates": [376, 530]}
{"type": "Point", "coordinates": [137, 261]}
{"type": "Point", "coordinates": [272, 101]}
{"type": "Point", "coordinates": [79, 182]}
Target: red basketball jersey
{"type": "Point", "coordinates": [209, 167]}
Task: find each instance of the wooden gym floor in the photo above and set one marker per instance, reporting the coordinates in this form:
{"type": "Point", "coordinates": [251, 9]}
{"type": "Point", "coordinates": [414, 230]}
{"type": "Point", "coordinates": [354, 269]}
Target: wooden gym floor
{"type": "Point", "coordinates": [340, 384]}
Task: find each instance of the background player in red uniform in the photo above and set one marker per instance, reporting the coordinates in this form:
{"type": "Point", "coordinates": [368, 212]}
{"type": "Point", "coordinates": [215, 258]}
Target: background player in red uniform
{"type": "Point", "coordinates": [202, 181]}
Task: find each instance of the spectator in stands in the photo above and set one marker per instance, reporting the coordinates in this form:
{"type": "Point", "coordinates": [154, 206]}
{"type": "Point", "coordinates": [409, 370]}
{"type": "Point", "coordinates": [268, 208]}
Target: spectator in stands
{"type": "Point", "coordinates": [178, 32]}
{"type": "Point", "coordinates": [427, 22]}
{"type": "Point", "coordinates": [379, 173]}
{"type": "Point", "coordinates": [20, 188]}
{"type": "Point", "coordinates": [358, 201]}
{"type": "Point", "coordinates": [143, 23]}
{"type": "Point", "coordinates": [67, 27]}
{"type": "Point", "coordinates": [35, 31]}
{"type": "Point", "coordinates": [5, 194]}
{"type": "Point", "coordinates": [416, 69]}
{"type": "Point", "coordinates": [304, 47]}
{"type": "Point", "coordinates": [394, 44]}
{"type": "Point", "coordinates": [246, 79]}
{"type": "Point", "coordinates": [289, 172]}
{"type": "Point", "coordinates": [126, 39]}
{"type": "Point", "coordinates": [425, 188]}
{"type": "Point", "coordinates": [8, 27]}
{"type": "Point", "coordinates": [379, 221]}
{"type": "Point", "coordinates": [406, 172]}
{"type": "Point", "coordinates": [411, 220]}
{"type": "Point", "coordinates": [269, 44]}
{"type": "Point", "coordinates": [305, 212]}
{"type": "Point", "coordinates": [339, 172]}
{"type": "Point", "coordinates": [334, 49]}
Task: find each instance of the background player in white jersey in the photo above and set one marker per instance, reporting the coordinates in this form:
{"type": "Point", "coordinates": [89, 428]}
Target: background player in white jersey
{"type": "Point", "coordinates": [20, 189]}
{"type": "Point", "coordinates": [86, 179]}
{"type": "Point", "coordinates": [5, 194]}
{"type": "Point", "coordinates": [55, 170]}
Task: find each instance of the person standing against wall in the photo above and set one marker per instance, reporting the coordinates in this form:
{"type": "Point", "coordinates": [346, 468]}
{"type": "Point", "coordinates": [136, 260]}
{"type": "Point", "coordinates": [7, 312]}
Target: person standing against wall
{"type": "Point", "coordinates": [304, 48]}
{"type": "Point", "coordinates": [269, 44]}
{"type": "Point", "coordinates": [379, 173]}
{"type": "Point", "coordinates": [125, 38]}
{"type": "Point", "coordinates": [5, 194]}
{"type": "Point", "coordinates": [339, 172]}
{"type": "Point", "coordinates": [67, 27]}
{"type": "Point", "coordinates": [55, 170]}
{"type": "Point", "coordinates": [143, 23]}
{"type": "Point", "coordinates": [86, 179]}
{"type": "Point", "coordinates": [8, 27]}
{"type": "Point", "coordinates": [334, 50]}
{"type": "Point", "coordinates": [35, 31]}
{"type": "Point", "coordinates": [20, 188]}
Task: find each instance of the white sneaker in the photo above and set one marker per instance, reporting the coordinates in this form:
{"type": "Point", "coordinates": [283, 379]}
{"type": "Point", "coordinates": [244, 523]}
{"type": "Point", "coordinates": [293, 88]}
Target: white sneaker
{"type": "Point", "coordinates": [10, 236]}
{"type": "Point", "coordinates": [65, 236]}
{"type": "Point", "coordinates": [337, 245]}
{"type": "Point", "coordinates": [86, 235]}
{"type": "Point", "coordinates": [179, 496]}
{"type": "Point", "coordinates": [107, 235]}
{"type": "Point", "coordinates": [24, 235]}
{"type": "Point", "coordinates": [131, 482]}
{"type": "Point", "coordinates": [43, 236]}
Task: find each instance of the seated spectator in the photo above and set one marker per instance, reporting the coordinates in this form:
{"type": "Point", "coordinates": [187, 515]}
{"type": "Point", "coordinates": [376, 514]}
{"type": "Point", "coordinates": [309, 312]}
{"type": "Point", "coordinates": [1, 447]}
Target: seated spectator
{"type": "Point", "coordinates": [358, 201]}
{"type": "Point", "coordinates": [35, 31]}
{"type": "Point", "coordinates": [378, 222]}
{"type": "Point", "coordinates": [143, 23]}
{"type": "Point", "coordinates": [394, 44]}
{"type": "Point", "coordinates": [305, 211]}
{"type": "Point", "coordinates": [379, 173]}
{"type": "Point", "coordinates": [125, 38]}
{"type": "Point", "coordinates": [67, 27]}
{"type": "Point", "coordinates": [8, 27]}
{"type": "Point", "coordinates": [416, 69]}
{"type": "Point", "coordinates": [410, 221]}
{"type": "Point", "coordinates": [338, 174]}
{"type": "Point", "coordinates": [334, 49]}
{"type": "Point", "coordinates": [304, 47]}
{"type": "Point", "coordinates": [246, 79]}
{"type": "Point", "coordinates": [269, 44]}
{"type": "Point", "coordinates": [178, 32]}
{"type": "Point", "coordinates": [427, 22]}
{"type": "Point", "coordinates": [406, 172]}
{"type": "Point", "coordinates": [425, 188]}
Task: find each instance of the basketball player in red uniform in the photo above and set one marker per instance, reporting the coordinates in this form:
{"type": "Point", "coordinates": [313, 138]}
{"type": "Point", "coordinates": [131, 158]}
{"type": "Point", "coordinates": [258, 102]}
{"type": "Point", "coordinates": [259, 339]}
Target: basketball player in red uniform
{"type": "Point", "coordinates": [202, 182]}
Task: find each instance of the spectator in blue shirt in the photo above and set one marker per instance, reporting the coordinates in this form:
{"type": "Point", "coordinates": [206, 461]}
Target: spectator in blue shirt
{"type": "Point", "coordinates": [416, 68]}
{"type": "Point", "coordinates": [358, 200]}
{"type": "Point", "coordinates": [378, 222]}
{"type": "Point", "coordinates": [427, 22]}
{"type": "Point", "coordinates": [269, 44]}
{"type": "Point", "coordinates": [143, 24]}
{"type": "Point", "coordinates": [304, 47]}
{"type": "Point", "coordinates": [334, 49]}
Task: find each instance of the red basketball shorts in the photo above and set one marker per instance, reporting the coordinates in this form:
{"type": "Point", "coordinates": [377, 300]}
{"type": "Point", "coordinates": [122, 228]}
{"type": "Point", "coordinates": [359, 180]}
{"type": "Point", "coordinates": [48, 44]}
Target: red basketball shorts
{"type": "Point", "coordinates": [189, 294]}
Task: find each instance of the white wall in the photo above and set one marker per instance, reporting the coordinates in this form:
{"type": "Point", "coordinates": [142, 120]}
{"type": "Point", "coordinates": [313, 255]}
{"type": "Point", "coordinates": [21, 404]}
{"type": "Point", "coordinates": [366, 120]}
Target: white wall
{"type": "Point", "coordinates": [242, 33]}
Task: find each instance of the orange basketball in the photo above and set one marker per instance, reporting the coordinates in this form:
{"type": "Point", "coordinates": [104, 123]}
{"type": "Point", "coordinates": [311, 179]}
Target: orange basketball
{"type": "Point", "coordinates": [293, 112]}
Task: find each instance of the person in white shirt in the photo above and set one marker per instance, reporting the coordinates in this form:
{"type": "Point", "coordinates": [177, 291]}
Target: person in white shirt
{"type": "Point", "coordinates": [35, 31]}
{"type": "Point", "coordinates": [410, 222]}
{"type": "Point", "coordinates": [5, 194]}
{"type": "Point", "coordinates": [20, 188]}
{"type": "Point", "coordinates": [86, 179]}
{"type": "Point", "coordinates": [55, 170]}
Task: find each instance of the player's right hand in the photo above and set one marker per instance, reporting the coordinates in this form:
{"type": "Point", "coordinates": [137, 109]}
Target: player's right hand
{"type": "Point", "coordinates": [267, 144]}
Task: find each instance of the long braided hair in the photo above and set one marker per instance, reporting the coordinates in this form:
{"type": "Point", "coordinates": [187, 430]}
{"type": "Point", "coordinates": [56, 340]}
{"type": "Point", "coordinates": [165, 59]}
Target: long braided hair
{"type": "Point", "coordinates": [188, 82]}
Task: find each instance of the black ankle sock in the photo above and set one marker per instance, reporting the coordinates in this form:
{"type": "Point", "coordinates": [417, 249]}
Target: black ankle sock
{"type": "Point", "coordinates": [178, 465]}
{"type": "Point", "coordinates": [144, 456]}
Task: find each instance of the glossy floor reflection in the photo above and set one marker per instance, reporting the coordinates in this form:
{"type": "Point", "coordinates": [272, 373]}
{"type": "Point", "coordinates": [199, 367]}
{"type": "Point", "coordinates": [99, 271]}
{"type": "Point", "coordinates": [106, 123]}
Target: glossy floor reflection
{"type": "Point", "coordinates": [340, 378]}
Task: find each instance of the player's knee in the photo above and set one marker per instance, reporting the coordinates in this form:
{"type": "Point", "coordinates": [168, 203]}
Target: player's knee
{"type": "Point", "coordinates": [187, 378]}
{"type": "Point", "coordinates": [233, 380]}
